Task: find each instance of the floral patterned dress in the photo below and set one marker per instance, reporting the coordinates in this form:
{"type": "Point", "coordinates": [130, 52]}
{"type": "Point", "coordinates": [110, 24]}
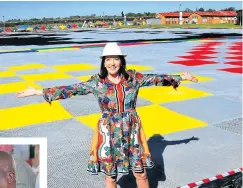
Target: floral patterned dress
{"type": "Point", "coordinates": [119, 143]}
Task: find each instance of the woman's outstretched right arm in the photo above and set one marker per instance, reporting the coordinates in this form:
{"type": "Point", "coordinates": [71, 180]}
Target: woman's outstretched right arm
{"type": "Point", "coordinates": [62, 92]}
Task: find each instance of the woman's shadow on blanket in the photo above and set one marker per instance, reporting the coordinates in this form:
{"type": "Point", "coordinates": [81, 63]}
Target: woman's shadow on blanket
{"type": "Point", "coordinates": [157, 145]}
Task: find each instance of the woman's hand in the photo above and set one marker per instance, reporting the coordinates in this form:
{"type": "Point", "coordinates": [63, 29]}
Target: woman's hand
{"type": "Point", "coordinates": [188, 76]}
{"type": "Point", "coordinates": [29, 92]}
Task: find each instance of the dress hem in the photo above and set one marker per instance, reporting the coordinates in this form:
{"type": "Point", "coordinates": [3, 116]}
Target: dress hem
{"type": "Point", "coordinates": [119, 172]}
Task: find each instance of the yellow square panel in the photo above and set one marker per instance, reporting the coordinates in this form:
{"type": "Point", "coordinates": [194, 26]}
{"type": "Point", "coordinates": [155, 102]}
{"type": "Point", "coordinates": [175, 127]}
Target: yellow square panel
{"type": "Point", "coordinates": [160, 120]}
{"type": "Point", "coordinates": [163, 94]}
{"type": "Point", "coordinates": [200, 78]}
{"type": "Point", "coordinates": [16, 87]}
{"type": "Point", "coordinates": [73, 67]}
{"type": "Point", "coordinates": [57, 49]}
{"type": "Point", "coordinates": [139, 67]}
{"type": "Point", "coordinates": [90, 120]}
{"type": "Point", "coordinates": [7, 74]}
{"type": "Point", "coordinates": [45, 76]}
{"type": "Point", "coordinates": [32, 114]}
{"type": "Point", "coordinates": [27, 66]}
{"type": "Point", "coordinates": [155, 120]}
{"type": "Point", "coordinates": [84, 78]}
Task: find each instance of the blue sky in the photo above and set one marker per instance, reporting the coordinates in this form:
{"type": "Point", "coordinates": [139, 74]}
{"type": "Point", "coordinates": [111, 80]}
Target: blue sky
{"type": "Point", "coordinates": [38, 9]}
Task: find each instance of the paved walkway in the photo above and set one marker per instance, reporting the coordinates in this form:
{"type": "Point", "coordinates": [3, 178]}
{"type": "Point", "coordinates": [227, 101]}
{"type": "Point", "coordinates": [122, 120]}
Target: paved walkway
{"type": "Point", "coordinates": [193, 133]}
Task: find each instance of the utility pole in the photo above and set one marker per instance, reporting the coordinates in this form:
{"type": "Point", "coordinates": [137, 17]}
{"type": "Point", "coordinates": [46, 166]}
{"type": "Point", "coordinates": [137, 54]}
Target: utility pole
{"type": "Point", "coordinates": [103, 17]}
{"type": "Point", "coordinates": [180, 15]}
{"type": "Point", "coordinates": [3, 25]}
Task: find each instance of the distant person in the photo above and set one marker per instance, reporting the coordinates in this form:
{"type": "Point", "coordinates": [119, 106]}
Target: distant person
{"type": "Point", "coordinates": [25, 177]}
{"type": "Point", "coordinates": [36, 160]}
{"type": "Point", "coordinates": [7, 171]}
{"type": "Point", "coordinates": [22, 151]}
{"type": "Point", "coordinates": [119, 142]}
{"type": "Point", "coordinates": [37, 183]}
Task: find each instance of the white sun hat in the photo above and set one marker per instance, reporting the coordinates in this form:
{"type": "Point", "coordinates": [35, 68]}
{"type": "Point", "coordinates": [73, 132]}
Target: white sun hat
{"type": "Point", "coordinates": [112, 48]}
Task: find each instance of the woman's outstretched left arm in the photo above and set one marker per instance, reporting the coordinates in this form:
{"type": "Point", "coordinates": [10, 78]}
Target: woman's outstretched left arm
{"type": "Point", "coordinates": [162, 79]}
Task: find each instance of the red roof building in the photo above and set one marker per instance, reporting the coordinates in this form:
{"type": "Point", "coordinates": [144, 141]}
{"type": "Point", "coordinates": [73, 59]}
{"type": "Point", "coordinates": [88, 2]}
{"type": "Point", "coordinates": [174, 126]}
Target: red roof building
{"type": "Point", "coordinates": [174, 14]}
{"type": "Point", "coordinates": [198, 17]}
{"type": "Point", "coordinates": [218, 13]}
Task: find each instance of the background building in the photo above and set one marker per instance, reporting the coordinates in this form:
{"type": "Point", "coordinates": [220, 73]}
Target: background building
{"type": "Point", "coordinates": [217, 17]}
{"type": "Point", "coordinates": [173, 17]}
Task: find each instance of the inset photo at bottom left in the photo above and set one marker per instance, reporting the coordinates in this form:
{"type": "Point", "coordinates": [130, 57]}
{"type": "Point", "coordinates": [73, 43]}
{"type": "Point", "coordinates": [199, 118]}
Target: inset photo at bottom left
{"type": "Point", "coordinates": [23, 162]}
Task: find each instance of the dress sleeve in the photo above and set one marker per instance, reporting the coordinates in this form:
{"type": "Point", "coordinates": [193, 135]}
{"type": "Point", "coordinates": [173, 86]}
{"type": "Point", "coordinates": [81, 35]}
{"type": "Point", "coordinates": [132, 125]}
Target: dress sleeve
{"type": "Point", "coordinates": [157, 80]}
{"type": "Point", "coordinates": [64, 92]}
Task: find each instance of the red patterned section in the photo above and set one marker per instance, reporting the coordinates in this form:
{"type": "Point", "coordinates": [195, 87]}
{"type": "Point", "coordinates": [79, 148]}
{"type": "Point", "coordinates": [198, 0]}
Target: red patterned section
{"type": "Point", "coordinates": [199, 54]}
{"type": "Point", "coordinates": [238, 48]}
{"type": "Point", "coordinates": [192, 62]}
{"type": "Point", "coordinates": [210, 44]}
{"type": "Point", "coordinates": [236, 70]}
{"type": "Point", "coordinates": [237, 63]}
{"type": "Point", "coordinates": [203, 48]}
{"type": "Point", "coordinates": [238, 43]}
{"type": "Point", "coordinates": [235, 53]}
{"type": "Point", "coordinates": [235, 57]}
{"type": "Point", "coordinates": [196, 56]}
{"type": "Point", "coordinates": [235, 49]}
{"type": "Point", "coordinates": [203, 52]}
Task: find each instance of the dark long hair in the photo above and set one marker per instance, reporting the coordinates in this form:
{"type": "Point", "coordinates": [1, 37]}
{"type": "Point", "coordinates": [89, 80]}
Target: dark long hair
{"type": "Point", "coordinates": [122, 71]}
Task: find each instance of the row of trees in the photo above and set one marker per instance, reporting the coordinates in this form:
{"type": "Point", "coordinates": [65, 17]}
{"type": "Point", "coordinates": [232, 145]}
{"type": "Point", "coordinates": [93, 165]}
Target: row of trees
{"type": "Point", "coordinates": [213, 10]}
{"type": "Point", "coordinates": [200, 10]}
{"type": "Point", "coordinates": [88, 17]}
{"type": "Point", "coordinates": [129, 16]}
{"type": "Point", "coordinates": [209, 10]}
{"type": "Point", "coordinates": [139, 15]}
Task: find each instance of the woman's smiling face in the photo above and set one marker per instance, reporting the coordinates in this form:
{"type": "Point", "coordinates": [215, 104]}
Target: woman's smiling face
{"type": "Point", "coordinates": [112, 64]}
